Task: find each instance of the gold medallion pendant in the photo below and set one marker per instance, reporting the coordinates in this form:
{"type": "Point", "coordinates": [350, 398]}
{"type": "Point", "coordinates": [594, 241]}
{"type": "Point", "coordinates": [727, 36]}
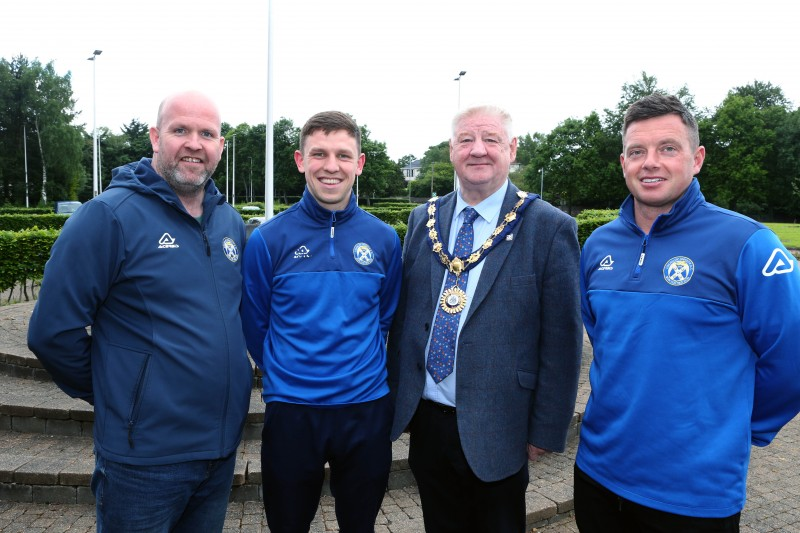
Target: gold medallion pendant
{"type": "Point", "coordinates": [453, 300]}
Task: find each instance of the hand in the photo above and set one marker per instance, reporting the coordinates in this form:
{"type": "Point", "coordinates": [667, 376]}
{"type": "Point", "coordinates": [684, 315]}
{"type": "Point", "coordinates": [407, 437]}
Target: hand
{"type": "Point", "coordinates": [534, 453]}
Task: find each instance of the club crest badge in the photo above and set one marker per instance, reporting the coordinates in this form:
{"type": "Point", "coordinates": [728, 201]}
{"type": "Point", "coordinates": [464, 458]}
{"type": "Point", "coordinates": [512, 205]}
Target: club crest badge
{"type": "Point", "coordinates": [363, 254]}
{"type": "Point", "coordinates": [230, 249]}
{"type": "Point", "coordinates": [678, 271]}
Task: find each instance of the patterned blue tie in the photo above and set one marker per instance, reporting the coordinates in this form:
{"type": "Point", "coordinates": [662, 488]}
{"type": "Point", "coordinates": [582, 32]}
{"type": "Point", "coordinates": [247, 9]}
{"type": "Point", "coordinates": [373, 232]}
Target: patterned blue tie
{"type": "Point", "coordinates": [442, 350]}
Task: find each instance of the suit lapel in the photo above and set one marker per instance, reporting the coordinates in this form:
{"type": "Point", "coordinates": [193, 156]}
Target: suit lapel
{"type": "Point", "coordinates": [494, 260]}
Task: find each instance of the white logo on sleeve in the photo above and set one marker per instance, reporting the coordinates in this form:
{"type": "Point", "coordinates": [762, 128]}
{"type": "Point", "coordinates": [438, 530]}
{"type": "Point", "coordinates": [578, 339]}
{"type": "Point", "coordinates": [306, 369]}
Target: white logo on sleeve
{"type": "Point", "coordinates": [778, 263]}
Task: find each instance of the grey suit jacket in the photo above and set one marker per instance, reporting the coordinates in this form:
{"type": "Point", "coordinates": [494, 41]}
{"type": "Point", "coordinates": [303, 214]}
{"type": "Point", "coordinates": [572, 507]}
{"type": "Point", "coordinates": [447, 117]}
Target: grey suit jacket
{"type": "Point", "coordinates": [520, 347]}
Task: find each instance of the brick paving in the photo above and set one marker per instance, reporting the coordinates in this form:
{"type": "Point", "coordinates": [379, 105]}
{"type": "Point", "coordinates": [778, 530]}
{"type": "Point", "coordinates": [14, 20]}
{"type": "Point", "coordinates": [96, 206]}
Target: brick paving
{"type": "Point", "coordinates": [773, 504]}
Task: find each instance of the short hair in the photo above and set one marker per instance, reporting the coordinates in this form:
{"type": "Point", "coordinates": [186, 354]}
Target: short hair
{"type": "Point", "coordinates": [329, 121]}
{"type": "Point", "coordinates": [658, 105]}
{"type": "Point", "coordinates": [495, 111]}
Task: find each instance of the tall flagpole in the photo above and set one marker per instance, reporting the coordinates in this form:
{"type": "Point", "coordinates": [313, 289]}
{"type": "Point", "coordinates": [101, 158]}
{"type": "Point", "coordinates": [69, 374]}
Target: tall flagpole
{"type": "Point", "coordinates": [269, 185]}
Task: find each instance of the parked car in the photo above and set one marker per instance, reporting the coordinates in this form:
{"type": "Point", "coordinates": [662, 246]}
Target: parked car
{"type": "Point", "coordinates": [66, 207]}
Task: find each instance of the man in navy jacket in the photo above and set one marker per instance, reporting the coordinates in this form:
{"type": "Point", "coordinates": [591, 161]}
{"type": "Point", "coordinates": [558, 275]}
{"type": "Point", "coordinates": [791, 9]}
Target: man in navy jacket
{"type": "Point", "coordinates": [153, 267]}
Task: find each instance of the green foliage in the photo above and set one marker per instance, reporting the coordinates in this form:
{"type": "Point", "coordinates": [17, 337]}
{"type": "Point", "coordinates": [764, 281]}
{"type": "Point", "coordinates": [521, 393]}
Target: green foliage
{"type": "Point", "coordinates": [23, 255]}
{"type": "Point", "coordinates": [36, 115]}
{"type": "Point", "coordinates": [591, 219]}
{"type": "Point", "coordinates": [25, 210]}
{"type": "Point", "coordinates": [381, 175]}
{"type": "Point", "coordinates": [20, 222]}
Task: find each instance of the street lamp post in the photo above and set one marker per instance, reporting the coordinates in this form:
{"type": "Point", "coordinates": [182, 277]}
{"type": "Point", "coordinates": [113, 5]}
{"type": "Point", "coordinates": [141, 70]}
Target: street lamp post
{"type": "Point", "coordinates": [541, 185]}
{"type": "Point", "coordinates": [458, 79]}
{"type": "Point", "coordinates": [95, 176]}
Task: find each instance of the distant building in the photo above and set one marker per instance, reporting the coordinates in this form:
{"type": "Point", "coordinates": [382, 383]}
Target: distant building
{"type": "Point", "coordinates": [412, 170]}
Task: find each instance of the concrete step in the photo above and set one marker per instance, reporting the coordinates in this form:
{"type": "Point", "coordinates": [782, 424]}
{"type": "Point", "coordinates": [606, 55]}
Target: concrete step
{"type": "Point", "coordinates": [39, 406]}
{"type": "Point", "coordinates": [57, 469]}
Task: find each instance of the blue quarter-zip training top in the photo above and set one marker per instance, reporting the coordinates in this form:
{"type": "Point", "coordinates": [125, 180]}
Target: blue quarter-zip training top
{"type": "Point", "coordinates": [695, 329]}
{"type": "Point", "coordinates": [320, 291]}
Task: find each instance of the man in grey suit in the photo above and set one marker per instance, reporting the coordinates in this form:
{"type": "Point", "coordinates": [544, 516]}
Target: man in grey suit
{"type": "Point", "coordinates": [485, 348]}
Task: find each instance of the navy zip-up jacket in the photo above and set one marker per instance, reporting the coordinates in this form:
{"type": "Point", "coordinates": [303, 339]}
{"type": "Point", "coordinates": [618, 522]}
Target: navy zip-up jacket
{"type": "Point", "coordinates": [165, 365]}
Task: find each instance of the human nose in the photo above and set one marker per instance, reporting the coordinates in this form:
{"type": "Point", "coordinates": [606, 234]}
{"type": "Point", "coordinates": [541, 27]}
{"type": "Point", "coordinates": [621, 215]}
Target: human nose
{"type": "Point", "coordinates": [478, 148]}
{"type": "Point", "coordinates": [193, 141]}
{"type": "Point", "coordinates": [651, 159]}
{"type": "Point", "coordinates": [331, 164]}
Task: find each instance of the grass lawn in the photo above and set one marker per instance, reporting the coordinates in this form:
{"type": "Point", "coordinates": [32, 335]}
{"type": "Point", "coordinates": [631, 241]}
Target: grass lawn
{"type": "Point", "coordinates": [788, 233]}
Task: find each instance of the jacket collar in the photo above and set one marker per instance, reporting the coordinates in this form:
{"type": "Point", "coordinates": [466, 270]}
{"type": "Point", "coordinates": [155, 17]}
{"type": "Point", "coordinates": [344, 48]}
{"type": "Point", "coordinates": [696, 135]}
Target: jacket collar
{"type": "Point", "coordinates": [311, 207]}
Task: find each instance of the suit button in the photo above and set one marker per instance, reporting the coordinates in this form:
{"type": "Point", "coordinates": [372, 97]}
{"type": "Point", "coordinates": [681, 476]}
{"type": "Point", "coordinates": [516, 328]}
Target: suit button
{"type": "Point", "coordinates": [427, 327]}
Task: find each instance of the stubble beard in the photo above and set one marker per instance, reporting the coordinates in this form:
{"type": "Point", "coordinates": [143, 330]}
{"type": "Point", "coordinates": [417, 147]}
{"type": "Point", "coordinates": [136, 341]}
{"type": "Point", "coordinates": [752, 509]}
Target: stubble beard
{"type": "Point", "coordinates": [179, 182]}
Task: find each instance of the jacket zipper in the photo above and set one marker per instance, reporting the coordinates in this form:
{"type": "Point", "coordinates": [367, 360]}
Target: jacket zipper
{"type": "Point", "coordinates": [333, 228]}
{"type": "Point", "coordinates": [638, 270]}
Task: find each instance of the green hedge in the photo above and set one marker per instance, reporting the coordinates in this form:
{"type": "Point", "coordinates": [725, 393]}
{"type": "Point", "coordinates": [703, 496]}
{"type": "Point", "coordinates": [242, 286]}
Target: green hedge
{"type": "Point", "coordinates": [21, 222]}
{"type": "Point", "coordinates": [23, 255]}
{"type": "Point", "coordinates": [24, 251]}
{"type": "Point", "coordinates": [8, 210]}
{"type": "Point", "coordinates": [591, 219]}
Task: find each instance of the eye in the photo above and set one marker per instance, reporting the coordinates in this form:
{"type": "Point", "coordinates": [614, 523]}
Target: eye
{"type": "Point", "coordinates": [669, 149]}
{"type": "Point", "coordinates": [345, 157]}
{"type": "Point", "coordinates": [207, 134]}
{"type": "Point", "coordinates": [180, 131]}
{"type": "Point", "coordinates": [635, 153]}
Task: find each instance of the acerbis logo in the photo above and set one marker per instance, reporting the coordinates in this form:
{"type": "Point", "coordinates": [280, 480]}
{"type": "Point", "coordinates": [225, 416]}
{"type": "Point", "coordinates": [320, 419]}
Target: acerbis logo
{"type": "Point", "coordinates": [230, 249]}
{"type": "Point", "coordinates": [678, 271]}
{"type": "Point", "coordinates": [302, 253]}
{"type": "Point", "coordinates": [363, 254]}
{"type": "Point", "coordinates": [167, 241]}
{"type": "Point", "coordinates": [778, 263]}
{"type": "Point", "coordinates": [607, 263]}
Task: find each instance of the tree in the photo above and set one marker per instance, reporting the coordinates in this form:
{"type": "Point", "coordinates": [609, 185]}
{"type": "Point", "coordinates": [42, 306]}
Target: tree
{"type": "Point", "coordinates": [381, 176]}
{"type": "Point", "coordinates": [288, 181]}
{"type": "Point", "coordinates": [734, 170]}
{"type": "Point", "coordinates": [36, 114]}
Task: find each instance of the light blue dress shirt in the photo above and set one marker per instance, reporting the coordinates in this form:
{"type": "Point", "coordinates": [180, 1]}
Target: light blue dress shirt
{"type": "Point", "coordinates": [489, 210]}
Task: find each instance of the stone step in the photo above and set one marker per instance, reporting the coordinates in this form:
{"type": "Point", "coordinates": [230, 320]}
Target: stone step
{"type": "Point", "coordinates": [57, 469]}
{"type": "Point", "coordinates": [39, 406]}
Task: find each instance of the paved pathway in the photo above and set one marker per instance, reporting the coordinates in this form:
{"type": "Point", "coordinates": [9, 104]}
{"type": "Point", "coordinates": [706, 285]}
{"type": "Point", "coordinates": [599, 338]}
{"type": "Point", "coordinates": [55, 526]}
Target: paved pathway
{"type": "Point", "coordinates": [773, 503]}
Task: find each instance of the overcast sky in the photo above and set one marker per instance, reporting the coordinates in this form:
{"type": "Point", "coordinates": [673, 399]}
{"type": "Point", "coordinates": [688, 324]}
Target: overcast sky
{"type": "Point", "coordinates": [391, 64]}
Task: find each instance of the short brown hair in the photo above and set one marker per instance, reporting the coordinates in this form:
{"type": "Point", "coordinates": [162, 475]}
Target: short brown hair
{"type": "Point", "coordinates": [658, 105]}
{"type": "Point", "coordinates": [329, 121]}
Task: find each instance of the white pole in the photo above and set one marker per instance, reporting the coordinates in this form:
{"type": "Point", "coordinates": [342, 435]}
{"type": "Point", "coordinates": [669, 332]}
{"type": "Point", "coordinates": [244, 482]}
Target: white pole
{"type": "Point", "coordinates": [541, 185]}
{"type": "Point", "coordinates": [227, 168]}
{"type": "Point", "coordinates": [269, 183]}
{"type": "Point", "coordinates": [233, 185]}
{"type": "Point", "coordinates": [25, 147]}
{"type": "Point", "coordinates": [458, 79]}
{"type": "Point", "coordinates": [94, 125]}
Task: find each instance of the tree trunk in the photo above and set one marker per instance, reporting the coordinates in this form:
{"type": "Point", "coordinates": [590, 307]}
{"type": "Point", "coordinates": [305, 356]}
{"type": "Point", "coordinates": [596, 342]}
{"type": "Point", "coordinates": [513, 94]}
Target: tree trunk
{"type": "Point", "coordinates": [44, 167]}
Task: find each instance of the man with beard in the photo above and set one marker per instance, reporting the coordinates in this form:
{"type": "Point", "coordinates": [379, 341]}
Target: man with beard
{"type": "Point", "coordinates": [152, 266]}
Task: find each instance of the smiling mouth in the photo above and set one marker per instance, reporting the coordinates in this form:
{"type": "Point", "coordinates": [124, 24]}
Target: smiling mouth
{"type": "Point", "coordinates": [330, 181]}
{"type": "Point", "coordinates": [652, 180]}
{"type": "Point", "coordinates": [191, 160]}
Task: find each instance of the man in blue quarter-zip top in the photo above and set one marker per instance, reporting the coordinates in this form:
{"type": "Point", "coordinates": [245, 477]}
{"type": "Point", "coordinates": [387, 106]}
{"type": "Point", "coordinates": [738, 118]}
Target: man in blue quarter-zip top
{"type": "Point", "coordinates": [694, 315]}
{"type": "Point", "coordinates": [153, 266]}
{"type": "Point", "coordinates": [321, 284]}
